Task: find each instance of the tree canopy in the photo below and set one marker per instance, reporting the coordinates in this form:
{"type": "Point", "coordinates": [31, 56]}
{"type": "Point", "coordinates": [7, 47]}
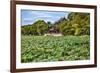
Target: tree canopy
{"type": "Point", "coordinates": [75, 24]}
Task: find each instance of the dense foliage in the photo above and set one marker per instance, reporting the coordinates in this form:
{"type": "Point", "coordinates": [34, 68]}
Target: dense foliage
{"type": "Point", "coordinates": [75, 24]}
{"type": "Point", "coordinates": [50, 48]}
{"type": "Point", "coordinates": [38, 28]}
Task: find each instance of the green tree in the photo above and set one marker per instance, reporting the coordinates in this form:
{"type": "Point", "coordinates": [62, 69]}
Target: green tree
{"type": "Point", "coordinates": [41, 27]}
{"type": "Point", "coordinates": [76, 24]}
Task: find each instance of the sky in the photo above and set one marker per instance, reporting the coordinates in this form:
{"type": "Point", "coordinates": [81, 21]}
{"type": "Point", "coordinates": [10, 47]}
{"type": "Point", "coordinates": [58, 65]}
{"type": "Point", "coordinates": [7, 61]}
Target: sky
{"type": "Point", "coordinates": [28, 17]}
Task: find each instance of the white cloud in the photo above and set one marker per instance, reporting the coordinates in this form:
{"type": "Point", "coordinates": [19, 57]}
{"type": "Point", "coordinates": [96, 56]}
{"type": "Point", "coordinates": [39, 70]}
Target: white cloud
{"type": "Point", "coordinates": [40, 14]}
{"type": "Point", "coordinates": [26, 19]}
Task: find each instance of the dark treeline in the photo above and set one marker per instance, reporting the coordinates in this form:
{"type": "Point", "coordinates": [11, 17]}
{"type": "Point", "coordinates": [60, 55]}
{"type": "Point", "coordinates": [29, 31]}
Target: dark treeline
{"type": "Point", "coordinates": [75, 24]}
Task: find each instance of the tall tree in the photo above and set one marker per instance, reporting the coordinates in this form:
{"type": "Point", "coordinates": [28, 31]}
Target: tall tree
{"type": "Point", "coordinates": [41, 27]}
